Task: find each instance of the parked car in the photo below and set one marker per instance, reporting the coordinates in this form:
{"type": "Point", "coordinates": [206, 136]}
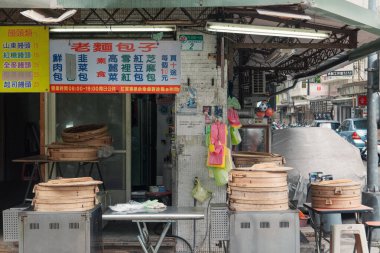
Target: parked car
{"type": "Point", "coordinates": [332, 124]}
{"type": "Point", "coordinates": [354, 131]}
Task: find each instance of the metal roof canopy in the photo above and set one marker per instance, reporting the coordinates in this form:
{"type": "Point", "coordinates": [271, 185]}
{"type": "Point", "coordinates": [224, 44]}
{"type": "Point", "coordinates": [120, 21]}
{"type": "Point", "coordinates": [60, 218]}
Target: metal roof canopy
{"type": "Point", "coordinates": [337, 12]}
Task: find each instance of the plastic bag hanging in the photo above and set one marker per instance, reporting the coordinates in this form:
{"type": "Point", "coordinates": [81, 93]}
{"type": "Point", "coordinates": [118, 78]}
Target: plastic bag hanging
{"type": "Point", "coordinates": [221, 174]}
{"type": "Point", "coordinates": [199, 192]}
{"type": "Point", "coordinates": [235, 136]}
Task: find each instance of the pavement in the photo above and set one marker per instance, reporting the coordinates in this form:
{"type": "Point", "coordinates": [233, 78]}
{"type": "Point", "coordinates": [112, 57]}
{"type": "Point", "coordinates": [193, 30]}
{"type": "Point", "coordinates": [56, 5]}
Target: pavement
{"type": "Point", "coordinates": [347, 242]}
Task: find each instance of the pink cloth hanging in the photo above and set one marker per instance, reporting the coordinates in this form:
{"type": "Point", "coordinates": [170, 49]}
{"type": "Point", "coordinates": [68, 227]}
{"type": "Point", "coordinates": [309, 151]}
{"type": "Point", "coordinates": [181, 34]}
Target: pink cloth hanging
{"type": "Point", "coordinates": [233, 118]}
{"type": "Point", "coordinates": [216, 155]}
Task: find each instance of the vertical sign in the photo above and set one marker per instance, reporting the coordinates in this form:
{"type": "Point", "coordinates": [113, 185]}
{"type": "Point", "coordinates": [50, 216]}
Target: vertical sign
{"type": "Point", "coordinates": [113, 66]}
{"type": "Point", "coordinates": [24, 59]}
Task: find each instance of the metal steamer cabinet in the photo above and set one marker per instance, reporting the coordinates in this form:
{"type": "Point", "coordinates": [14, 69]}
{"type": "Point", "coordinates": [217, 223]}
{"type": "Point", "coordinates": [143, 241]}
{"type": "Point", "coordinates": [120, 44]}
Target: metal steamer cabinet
{"type": "Point", "coordinates": [264, 231]}
{"type": "Point", "coordinates": [61, 231]}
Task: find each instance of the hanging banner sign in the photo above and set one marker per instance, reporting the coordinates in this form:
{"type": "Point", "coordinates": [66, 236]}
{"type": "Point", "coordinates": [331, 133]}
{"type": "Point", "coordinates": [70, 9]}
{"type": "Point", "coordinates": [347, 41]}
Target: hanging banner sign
{"type": "Point", "coordinates": [115, 66]}
{"type": "Point", "coordinates": [24, 59]}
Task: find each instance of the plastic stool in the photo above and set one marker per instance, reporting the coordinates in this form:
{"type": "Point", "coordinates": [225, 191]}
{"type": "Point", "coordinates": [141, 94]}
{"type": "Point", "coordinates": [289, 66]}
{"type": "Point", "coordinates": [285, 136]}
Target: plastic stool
{"type": "Point", "coordinates": [371, 225]}
{"type": "Point", "coordinates": [356, 229]}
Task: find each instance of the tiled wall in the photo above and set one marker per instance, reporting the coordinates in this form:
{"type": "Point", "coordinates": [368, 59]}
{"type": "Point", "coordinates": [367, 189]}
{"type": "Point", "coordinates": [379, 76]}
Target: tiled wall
{"type": "Point", "coordinates": [198, 68]}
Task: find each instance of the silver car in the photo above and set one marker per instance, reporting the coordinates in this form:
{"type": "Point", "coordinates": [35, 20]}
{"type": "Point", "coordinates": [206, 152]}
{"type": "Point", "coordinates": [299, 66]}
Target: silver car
{"type": "Point", "coordinates": [354, 131]}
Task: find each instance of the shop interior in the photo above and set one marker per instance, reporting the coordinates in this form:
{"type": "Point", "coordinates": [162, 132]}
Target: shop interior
{"type": "Point", "coordinates": [150, 124]}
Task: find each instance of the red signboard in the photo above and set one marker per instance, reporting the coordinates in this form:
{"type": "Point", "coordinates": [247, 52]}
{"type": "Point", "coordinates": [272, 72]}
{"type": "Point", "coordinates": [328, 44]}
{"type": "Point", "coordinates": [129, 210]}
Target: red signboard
{"type": "Point", "coordinates": [362, 100]}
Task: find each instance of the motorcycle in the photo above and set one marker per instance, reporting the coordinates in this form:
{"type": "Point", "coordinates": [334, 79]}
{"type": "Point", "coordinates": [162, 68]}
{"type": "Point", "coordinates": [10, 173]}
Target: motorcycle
{"type": "Point", "coordinates": [363, 152]}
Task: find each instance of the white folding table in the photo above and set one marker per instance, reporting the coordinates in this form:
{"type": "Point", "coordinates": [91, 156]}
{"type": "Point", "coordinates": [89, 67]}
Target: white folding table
{"type": "Point", "coordinates": [169, 215]}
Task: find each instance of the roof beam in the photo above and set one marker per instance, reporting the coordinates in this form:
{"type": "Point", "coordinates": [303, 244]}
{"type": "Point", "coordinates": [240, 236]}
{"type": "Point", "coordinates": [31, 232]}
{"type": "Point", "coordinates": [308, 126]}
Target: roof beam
{"type": "Point", "coordinates": [114, 4]}
{"type": "Point", "coordinates": [269, 68]}
{"type": "Point", "coordinates": [295, 23]}
{"type": "Point", "coordinates": [290, 46]}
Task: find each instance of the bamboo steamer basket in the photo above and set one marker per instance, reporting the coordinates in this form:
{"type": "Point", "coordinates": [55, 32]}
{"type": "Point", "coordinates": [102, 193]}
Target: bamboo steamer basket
{"type": "Point", "coordinates": [332, 203]}
{"type": "Point", "coordinates": [343, 193]}
{"type": "Point", "coordinates": [69, 153]}
{"type": "Point", "coordinates": [53, 201]}
{"type": "Point", "coordinates": [257, 179]}
{"type": "Point", "coordinates": [246, 193]}
{"type": "Point", "coordinates": [243, 205]}
{"type": "Point", "coordinates": [41, 194]}
{"type": "Point", "coordinates": [98, 142]}
{"type": "Point", "coordinates": [84, 132]}
{"type": "Point", "coordinates": [54, 207]}
{"type": "Point", "coordinates": [247, 159]}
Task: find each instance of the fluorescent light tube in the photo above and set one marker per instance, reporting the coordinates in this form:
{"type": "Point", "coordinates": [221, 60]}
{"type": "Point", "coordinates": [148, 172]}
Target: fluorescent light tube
{"type": "Point", "coordinates": [283, 14]}
{"type": "Point", "coordinates": [120, 28]}
{"type": "Point", "coordinates": [266, 30]}
{"type": "Point", "coordinates": [40, 17]}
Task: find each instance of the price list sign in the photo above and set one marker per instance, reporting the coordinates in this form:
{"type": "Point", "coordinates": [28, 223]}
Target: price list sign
{"type": "Point", "coordinates": [115, 66]}
{"type": "Point", "coordinates": [24, 59]}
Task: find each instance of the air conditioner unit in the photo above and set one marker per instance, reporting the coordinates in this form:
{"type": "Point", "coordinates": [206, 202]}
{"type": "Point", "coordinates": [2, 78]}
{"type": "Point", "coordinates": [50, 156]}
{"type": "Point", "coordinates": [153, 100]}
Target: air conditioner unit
{"type": "Point", "coordinates": [279, 55]}
{"type": "Point", "coordinates": [258, 82]}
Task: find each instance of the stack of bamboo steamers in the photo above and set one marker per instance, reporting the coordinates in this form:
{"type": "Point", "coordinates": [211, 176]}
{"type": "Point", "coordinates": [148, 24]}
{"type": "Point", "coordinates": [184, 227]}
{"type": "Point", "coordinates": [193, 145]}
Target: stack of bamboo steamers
{"type": "Point", "coordinates": [259, 182]}
{"type": "Point", "coordinates": [80, 143]}
{"type": "Point", "coordinates": [66, 194]}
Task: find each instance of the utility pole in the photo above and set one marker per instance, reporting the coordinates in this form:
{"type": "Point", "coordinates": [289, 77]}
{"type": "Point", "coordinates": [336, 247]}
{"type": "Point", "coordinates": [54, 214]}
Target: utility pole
{"type": "Point", "coordinates": [372, 157]}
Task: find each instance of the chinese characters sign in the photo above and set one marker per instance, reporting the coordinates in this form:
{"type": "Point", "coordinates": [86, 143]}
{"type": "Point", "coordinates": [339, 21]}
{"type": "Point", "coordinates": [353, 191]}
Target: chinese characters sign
{"type": "Point", "coordinates": [24, 59]}
{"type": "Point", "coordinates": [111, 66]}
{"type": "Point", "coordinates": [191, 42]}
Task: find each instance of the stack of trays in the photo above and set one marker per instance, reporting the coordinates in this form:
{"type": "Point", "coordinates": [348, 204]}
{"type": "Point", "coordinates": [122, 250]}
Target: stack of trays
{"type": "Point", "coordinates": [80, 143]}
{"type": "Point", "coordinates": [341, 193]}
{"type": "Point", "coordinates": [66, 194]}
{"type": "Point", "coordinates": [262, 187]}
{"type": "Point", "coordinates": [92, 135]}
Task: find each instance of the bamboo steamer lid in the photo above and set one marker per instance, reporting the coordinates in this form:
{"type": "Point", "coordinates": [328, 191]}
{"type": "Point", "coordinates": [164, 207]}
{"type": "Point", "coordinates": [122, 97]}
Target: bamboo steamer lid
{"type": "Point", "coordinates": [273, 167]}
{"type": "Point", "coordinates": [68, 182]}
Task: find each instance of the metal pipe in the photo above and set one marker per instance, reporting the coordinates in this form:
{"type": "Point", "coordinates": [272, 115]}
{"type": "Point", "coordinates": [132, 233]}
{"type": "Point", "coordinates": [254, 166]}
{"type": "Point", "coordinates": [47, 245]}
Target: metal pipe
{"type": "Point", "coordinates": [372, 157]}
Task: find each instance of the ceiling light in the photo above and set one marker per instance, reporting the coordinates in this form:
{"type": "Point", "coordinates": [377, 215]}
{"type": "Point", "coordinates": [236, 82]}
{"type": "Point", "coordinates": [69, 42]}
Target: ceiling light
{"type": "Point", "coordinates": [41, 17]}
{"type": "Point", "coordinates": [266, 30]}
{"type": "Point", "coordinates": [283, 14]}
{"type": "Point", "coordinates": [120, 28]}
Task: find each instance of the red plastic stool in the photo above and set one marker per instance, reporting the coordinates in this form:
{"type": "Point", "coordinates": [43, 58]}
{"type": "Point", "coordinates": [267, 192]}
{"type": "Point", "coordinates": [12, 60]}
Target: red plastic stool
{"type": "Point", "coordinates": [371, 225]}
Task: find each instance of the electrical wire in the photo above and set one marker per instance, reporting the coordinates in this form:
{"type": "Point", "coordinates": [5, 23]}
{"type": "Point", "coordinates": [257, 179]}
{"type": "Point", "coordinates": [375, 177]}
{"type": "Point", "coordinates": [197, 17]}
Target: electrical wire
{"type": "Point", "coordinates": [174, 236]}
{"type": "Point", "coordinates": [208, 224]}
